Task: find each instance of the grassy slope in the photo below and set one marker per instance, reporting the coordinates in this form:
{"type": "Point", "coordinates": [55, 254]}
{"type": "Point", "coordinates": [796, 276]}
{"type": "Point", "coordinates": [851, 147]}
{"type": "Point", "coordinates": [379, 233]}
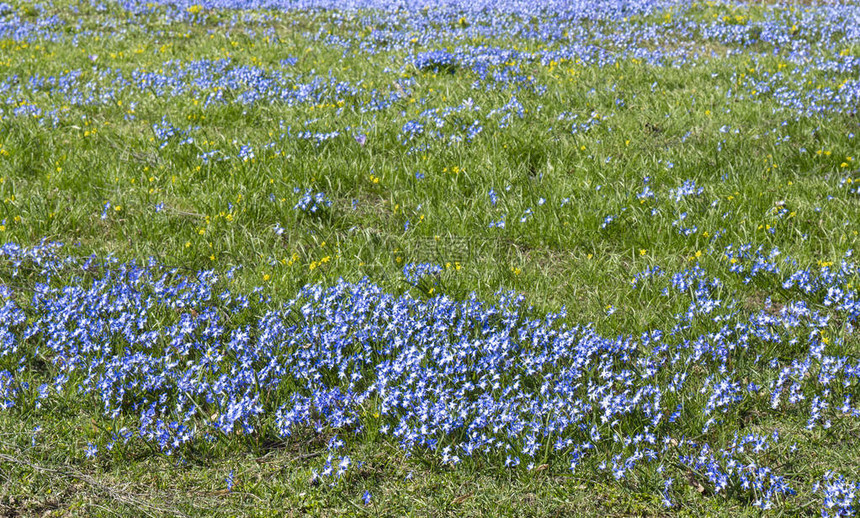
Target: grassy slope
{"type": "Point", "coordinates": [55, 183]}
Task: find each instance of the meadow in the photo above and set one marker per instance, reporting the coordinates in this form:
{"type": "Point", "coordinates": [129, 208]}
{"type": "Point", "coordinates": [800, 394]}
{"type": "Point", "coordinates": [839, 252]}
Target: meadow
{"type": "Point", "coordinates": [429, 258]}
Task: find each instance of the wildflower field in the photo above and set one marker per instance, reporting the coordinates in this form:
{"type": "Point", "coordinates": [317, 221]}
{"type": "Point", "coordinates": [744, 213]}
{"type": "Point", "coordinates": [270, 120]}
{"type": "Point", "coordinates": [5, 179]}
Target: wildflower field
{"type": "Point", "coordinates": [429, 258]}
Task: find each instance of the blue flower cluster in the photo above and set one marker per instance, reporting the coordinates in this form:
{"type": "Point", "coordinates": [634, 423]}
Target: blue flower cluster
{"type": "Point", "coordinates": [312, 203]}
{"type": "Point", "coordinates": [818, 74]}
{"type": "Point", "coordinates": [414, 273]}
{"type": "Point", "coordinates": [189, 359]}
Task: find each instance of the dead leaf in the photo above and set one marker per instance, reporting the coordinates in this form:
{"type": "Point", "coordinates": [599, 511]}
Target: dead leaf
{"type": "Point", "coordinates": [460, 499]}
{"type": "Point", "coordinates": [691, 478]}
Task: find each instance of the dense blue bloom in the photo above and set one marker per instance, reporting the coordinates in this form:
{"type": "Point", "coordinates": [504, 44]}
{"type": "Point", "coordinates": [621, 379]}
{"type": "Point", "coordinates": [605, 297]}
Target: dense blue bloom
{"type": "Point", "coordinates": [311, 202]}
{"type": "Point", "coordinates": [463, 378]}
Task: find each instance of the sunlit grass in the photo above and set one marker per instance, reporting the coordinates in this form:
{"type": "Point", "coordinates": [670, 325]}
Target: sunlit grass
{"type": "Point", "coordinates": [135, 150]}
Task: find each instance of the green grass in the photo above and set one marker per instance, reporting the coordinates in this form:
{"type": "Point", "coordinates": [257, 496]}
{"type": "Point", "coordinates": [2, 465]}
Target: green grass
{"type": "Point", "coordinates": [55, 181]}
